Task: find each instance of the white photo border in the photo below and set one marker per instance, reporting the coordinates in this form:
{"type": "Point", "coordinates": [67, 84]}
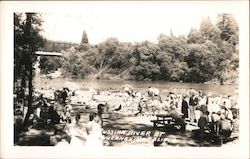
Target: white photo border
{"type": "Point", "coordinates": [8, 150]}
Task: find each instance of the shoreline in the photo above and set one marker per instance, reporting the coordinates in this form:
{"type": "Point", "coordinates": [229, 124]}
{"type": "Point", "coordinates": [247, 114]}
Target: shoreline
{"type": "Point", "coordinates": [215, 89]}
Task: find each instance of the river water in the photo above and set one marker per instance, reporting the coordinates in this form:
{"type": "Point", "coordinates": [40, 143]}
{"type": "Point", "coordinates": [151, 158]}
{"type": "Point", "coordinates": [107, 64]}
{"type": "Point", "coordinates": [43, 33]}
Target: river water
{"type": "Point", "coordinates": [215, 89]}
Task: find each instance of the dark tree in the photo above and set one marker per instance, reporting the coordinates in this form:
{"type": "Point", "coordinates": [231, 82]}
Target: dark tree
{"type": "Point", "coordinates": [229, 29]}
{"type": "Point", "coordinates": [85, 39]}
{"type": "Point", "coordinates": [27, 40]}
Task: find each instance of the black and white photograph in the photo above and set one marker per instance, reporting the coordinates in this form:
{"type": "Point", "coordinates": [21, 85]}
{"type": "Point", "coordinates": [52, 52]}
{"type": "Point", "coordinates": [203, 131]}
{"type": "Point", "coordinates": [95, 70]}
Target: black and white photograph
{"type": "Point", "coordinates": [90, 76]}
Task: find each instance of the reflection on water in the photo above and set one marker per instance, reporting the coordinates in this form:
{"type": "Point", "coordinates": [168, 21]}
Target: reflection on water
{"type": "Point", "coordinates": [137, 85]}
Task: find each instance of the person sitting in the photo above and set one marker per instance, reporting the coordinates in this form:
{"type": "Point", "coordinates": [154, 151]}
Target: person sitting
{"type": "Point", "coordinates": [55, 117]}
{"type": "Point", "coordinates": [225, 127]}
{"type": "Point", "coordinates": [178, 118]}
{"type": "Point", "coordinates": [203, 122]}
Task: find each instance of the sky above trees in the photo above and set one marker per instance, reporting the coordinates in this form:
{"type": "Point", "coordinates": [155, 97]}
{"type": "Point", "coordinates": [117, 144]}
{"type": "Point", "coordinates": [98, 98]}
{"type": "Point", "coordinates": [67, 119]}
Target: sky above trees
{"type": "Point", "coordinates": [129, 22]}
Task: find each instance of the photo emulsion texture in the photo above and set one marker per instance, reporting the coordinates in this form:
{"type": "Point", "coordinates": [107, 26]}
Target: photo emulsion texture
{"type": "Point", "coordinates": [78, 86]}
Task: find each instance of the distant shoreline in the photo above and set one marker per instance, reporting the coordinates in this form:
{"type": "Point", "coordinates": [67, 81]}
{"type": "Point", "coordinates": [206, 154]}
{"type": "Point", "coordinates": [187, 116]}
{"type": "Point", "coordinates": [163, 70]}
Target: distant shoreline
{"type": "Point", "coordinates": [165, 86]}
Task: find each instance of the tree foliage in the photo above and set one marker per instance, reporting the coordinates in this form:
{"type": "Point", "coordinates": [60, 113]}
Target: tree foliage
{"type": "Point", "coordinates": [27, 40]}
{"type": "Point", "coordinates": [206, 53]}
{"type": "Point", "coordinates": [229, 29]}
{"type": "Point", "coordinates": [24, 44]}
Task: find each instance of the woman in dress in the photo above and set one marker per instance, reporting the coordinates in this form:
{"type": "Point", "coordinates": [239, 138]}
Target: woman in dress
{"type": "Point", "coordinates": [76, 133]}
{"type": "Point", "coordinates": [94, 132]}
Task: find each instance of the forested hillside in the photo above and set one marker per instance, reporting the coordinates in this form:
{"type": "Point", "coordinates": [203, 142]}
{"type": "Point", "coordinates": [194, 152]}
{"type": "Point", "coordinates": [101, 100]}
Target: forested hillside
{"type": "Point", "coordinates": [207, 53]}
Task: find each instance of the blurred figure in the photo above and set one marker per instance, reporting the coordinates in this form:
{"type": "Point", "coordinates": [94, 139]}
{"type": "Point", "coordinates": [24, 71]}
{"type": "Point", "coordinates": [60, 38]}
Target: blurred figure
{"type": "Point", "coordinates": [215, 117]}
{"type": "Point", "coordinates": [100, 110]}
{"type": "Point", "coordinates": [76, 133]}
{"type": "Point", "coordinates": [225, 127]}
{"type": "Point", "coordinates": [77, 117]}
{"type": "Point", "coordinates": [38, 112]}
{"type": "Point", "coordinates": [64, 94]}
{"type": "Point", "coordinates": [203, 122]}
{"type": "Point", "coordinates": [192, 107]}
{"type": "Point", "coordinates": [53, 115]}
{"type": "Point", "coordinates": [94, 132]}
{"type": "Point", "coordinates": [184, 108]}
{"type": "Point", "coordinates": [67, 117]}
{"type": "Point", "coordinates": [178, 118]}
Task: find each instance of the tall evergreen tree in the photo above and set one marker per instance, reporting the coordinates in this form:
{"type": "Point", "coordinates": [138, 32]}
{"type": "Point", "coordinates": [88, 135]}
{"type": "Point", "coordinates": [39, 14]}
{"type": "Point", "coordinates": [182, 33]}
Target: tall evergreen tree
{"type": "Point", "coordinates": [229, 29]}
{"type": "Point", "coordinates": [85, 39]}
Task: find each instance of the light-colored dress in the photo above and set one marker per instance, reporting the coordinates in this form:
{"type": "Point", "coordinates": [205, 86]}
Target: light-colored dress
{"type": "Point", "coordinates": [94, 137]}
{"type": "Point", "coordinates": [76, 134]}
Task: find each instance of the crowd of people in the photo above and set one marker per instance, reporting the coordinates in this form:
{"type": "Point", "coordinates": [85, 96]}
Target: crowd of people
{"type": "Point", "coordinates": [73, 128]}
{"type": "Point", "coordinates": [216, 114]}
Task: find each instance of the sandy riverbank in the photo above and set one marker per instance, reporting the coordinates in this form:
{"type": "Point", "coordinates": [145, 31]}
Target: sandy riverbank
{"type": "Point", "coordinates": [85, 101]}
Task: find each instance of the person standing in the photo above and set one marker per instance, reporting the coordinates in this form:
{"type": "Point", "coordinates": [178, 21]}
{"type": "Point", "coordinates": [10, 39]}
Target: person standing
{"type": "Point", "coordinates": [64, 95]}
{"type": "Point", "coordinates": [94, 132]}
{"type": "Point", "coordinates": [77, 117]}
{"type": "Point", "coordinates": [38, 112]}
{"type": "Point", "coordinates": [75, 132]}
{"type": "Point", "coordinates": [192, 107]}
{"type": "Point", "coordinates": [215, 117]}
{"type": "Point", "coordinates": [184, 108]}
{"type": "Point", "coordinates": [68, 116]}
{"type": "Point", "coordinates": [100, 110]}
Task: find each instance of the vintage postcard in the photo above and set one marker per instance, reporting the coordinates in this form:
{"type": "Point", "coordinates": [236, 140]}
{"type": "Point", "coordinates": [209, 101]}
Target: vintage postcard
{"type": "Point", "coordinates": [135, 79]}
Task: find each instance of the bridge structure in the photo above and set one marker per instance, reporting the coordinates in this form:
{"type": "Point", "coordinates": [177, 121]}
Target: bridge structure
{"type": "Point", "coordinates": [38, 55]}
{"type": "Point", "coordinates": [42, 53]}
